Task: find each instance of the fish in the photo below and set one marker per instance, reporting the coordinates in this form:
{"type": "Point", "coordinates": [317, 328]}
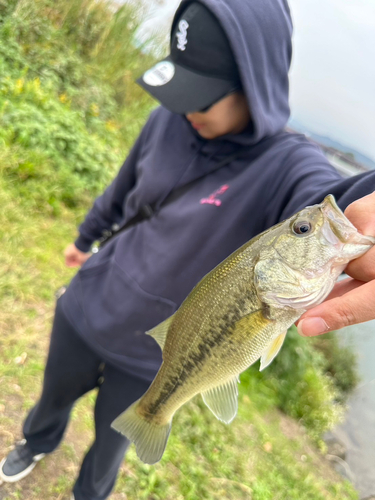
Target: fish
{"type": "Point", "coordinates": [240, 312]}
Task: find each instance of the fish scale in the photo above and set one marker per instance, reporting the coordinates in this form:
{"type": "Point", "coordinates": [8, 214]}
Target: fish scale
{"type": "Point", "coordinates": [238, 313]}
{"type": "Point", "coordinates": [194, 348]}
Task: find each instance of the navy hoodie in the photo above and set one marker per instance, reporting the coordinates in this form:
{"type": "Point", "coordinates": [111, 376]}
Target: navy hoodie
{"type": "Point", "coordinates": [204, 211]}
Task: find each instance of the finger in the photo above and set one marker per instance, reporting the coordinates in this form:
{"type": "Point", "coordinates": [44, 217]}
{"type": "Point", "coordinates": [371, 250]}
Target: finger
{"type": "Point", "coordinates": [361, 213]}
{"type": "Point", "coordinates": [363, 269]}
{"type": "Point", "coordinates": [344, 286]}
{"type": "Point", "coordinates": [356, 306]}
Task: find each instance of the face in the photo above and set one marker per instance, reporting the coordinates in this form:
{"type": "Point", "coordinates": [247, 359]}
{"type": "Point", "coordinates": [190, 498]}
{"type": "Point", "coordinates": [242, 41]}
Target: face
{"type": "Point", "coordinates": [230, 115]}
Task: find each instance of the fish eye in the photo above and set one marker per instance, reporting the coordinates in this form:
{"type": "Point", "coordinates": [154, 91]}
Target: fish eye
{"type": "Point", "coordinates": [302, 228]}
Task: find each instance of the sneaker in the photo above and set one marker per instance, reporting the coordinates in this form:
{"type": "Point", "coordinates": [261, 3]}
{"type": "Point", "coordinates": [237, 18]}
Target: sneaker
{"type": "Point", "coordinates": [19, 463]}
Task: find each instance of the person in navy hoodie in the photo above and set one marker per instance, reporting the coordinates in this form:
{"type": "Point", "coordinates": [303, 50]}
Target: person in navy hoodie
{"type": "Point", "coordinates": [212, 167]}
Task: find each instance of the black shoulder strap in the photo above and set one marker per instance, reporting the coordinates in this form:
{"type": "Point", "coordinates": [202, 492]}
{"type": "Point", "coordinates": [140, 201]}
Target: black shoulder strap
{"type": "Point", "coordinates": [145, 212]}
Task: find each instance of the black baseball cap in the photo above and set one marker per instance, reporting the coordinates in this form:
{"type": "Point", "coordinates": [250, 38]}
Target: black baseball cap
{"type": "Point", "coordinates": [200, 69]}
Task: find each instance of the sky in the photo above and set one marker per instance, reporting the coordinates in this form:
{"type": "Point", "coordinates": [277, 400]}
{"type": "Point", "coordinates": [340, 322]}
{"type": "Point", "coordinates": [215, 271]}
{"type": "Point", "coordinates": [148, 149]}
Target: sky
{"type": "Point", "coordinates": [333, 70]}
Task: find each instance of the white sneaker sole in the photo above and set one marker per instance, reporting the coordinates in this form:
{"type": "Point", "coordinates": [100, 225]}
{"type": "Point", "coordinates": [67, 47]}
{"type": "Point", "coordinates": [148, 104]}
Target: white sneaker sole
{"type": "Point", "coordinates": [21, 475]}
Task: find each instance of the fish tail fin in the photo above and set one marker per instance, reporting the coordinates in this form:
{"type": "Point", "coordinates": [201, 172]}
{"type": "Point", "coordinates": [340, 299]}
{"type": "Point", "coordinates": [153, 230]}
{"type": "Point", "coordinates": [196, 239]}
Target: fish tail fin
{"type": "Point", "coordinates": [150, 439]}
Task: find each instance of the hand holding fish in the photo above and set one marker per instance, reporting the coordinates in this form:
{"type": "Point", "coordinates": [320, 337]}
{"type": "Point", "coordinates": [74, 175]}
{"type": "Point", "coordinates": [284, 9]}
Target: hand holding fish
{"type": "Point", "coordinates": [238, 313]}
{"type": "Point", "coordinates": [352, 300]}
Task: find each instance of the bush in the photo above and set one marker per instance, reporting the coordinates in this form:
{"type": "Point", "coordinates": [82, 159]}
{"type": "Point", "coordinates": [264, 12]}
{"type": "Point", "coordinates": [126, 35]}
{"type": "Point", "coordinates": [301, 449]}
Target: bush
{"type": "Point", "coordinates": [340, 363]}
{"type": "Point", "coordinates": [69, 109]}
{"type": "Point", "coordinates": [298, 383]}
{"type": "Point", "coordinates": [49, 142]}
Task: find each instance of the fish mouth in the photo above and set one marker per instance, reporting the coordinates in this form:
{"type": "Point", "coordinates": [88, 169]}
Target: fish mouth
{"type": "Point", "coordinates": [354, 244]}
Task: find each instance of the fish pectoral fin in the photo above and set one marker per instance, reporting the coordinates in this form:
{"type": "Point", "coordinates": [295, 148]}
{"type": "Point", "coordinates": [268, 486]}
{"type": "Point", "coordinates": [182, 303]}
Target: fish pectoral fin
{"type": "Point", "coordinates": [159, 333]}
{"type": "Point", "coordinates": [222, 400]}
{"type": "Point", "coordinates": [271, 351]}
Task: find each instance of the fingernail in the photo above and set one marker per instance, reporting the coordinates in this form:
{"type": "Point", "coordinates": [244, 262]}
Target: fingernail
{"type": "Point", "coordinates": [312, 326]}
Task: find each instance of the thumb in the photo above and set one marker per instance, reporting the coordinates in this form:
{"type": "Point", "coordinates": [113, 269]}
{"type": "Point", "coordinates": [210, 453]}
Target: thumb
{"type": "Point", "coordinates": [356, 306]}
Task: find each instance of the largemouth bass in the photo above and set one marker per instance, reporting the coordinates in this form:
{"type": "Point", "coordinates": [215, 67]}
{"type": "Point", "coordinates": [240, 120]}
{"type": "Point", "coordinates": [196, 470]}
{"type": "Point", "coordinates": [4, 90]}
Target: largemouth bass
{"type": "Point", "coordinates": [238, 313]}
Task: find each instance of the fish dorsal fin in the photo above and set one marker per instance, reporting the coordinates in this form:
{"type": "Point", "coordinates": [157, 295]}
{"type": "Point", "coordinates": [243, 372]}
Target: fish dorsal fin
{"type": "Point", "coordinates": [159, 332]}
{"type": "Point", "coordinates": [222, 400]}
{"type": "Point", "coordinates": [271, 351]}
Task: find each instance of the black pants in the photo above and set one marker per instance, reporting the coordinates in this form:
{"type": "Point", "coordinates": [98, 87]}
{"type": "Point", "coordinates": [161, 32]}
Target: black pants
{"type": "Point", "coordinates": [72, 370]}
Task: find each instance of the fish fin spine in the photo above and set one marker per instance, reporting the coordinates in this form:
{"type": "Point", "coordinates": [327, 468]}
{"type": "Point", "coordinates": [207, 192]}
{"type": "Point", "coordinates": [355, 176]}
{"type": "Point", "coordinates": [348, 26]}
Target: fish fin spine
{"type": "Point", "coordinates": [222, 400]}
{"type": "Point", "coordinates": [160, 331]}
{"type": "Point", "coordinates": [272, 350]}
{"type": "Point", "coordinates": [150, 439]}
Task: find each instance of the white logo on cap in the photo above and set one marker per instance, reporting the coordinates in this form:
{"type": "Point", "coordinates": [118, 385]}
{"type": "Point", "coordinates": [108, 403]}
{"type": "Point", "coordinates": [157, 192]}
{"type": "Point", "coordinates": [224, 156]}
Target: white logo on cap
{"type": "Point", "coordinates": [160, 74]}
{"type": "Point", "coordinates": [182, 34]}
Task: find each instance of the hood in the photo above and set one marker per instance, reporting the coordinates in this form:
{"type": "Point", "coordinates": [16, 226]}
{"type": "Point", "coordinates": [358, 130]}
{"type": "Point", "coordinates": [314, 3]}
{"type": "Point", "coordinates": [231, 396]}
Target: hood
{"type": "Point", "coordinates": [259, 32]}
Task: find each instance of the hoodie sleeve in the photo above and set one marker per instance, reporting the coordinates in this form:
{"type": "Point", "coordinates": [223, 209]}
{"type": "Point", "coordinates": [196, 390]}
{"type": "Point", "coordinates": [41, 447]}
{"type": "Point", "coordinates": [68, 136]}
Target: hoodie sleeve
{"type": "Point", "coordinates": [108, 208]}
{"type": "Point", "coordinates": [307, 178]}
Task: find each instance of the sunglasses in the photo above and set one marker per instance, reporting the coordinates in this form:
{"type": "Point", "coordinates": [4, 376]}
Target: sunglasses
{"type": "Point", "coordinates": [207, 108]}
